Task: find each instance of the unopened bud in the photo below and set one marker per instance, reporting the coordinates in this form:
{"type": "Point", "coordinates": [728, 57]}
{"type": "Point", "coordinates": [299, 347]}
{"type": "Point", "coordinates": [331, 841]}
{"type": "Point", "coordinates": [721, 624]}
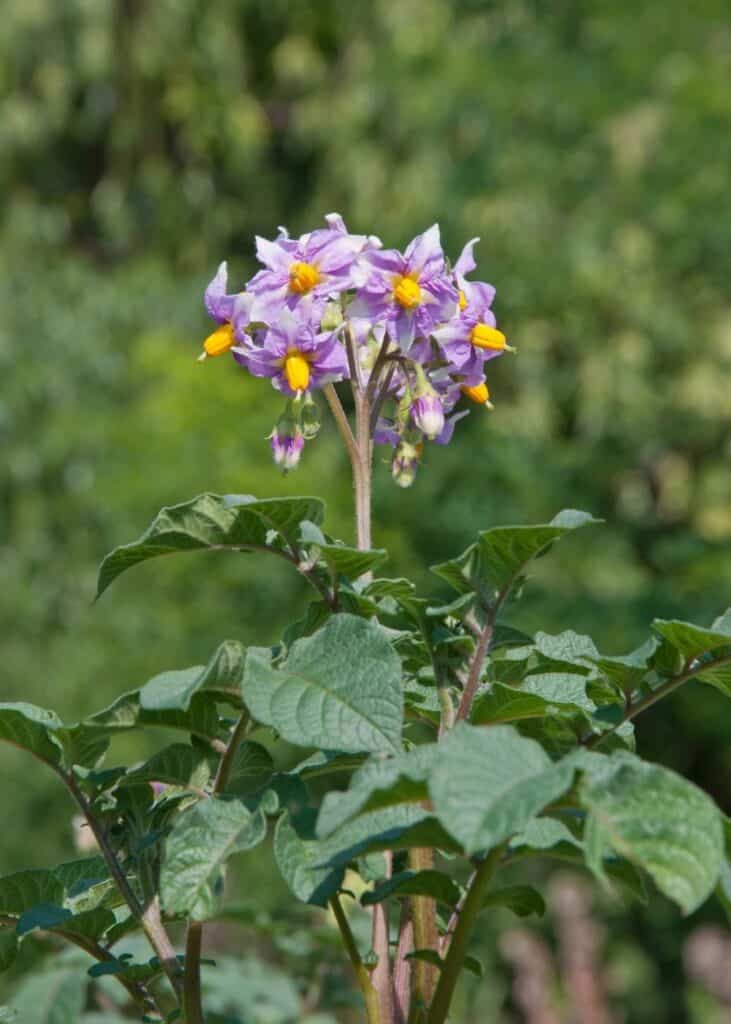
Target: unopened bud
{"type": "Point", "coordinates": [310, 418]}
{"type": "Point", "coordinates": [405, 463]}
{"type": "Point", "coordinates": [428, 414]}
{"type": "Point", "coordinates": [287, 448]}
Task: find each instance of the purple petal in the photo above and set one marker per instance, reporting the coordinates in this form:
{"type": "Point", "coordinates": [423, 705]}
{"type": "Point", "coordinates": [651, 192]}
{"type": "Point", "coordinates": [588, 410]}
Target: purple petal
{"type": "Point", "coordinates": [424, 254]}
{"type": "Point", "coordinates": [466, 262]}
{"type": "Point", "coordinates": [274, 255]}
{"type": "Point", "coordinates": [218, 304]}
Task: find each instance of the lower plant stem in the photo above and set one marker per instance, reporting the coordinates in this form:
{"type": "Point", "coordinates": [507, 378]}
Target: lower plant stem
{"type": "Point", "coordinates": [426, 936]}
{"type": "Point", "coordinates": [149, 916]}
{"type": "Point", "coordinates": [380, 932]}
{"type": "Point", "coordinates": [192, 1002]}
{"type": "Point", "coordinates": [373, 1008]}
{"type": "Point", "coordinates": [362, 471]}
{"type": "Point", "coordinates": [461, 936]}
{"type": "Point", "coordinates": [402, 966]}
{"type": "Point", "coordinates": [478, 661]}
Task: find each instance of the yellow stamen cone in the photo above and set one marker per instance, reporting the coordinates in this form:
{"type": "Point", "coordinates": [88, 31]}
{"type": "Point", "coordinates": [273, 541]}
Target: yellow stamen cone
{"type": "Point", "coordinates": [478, 393]}
{"type": "Point", "coordinates": [484, 336]}
{"type": "Point", "coordinates": [407, 292]}
{"type": "Point", "coordinates": [303, 277]}
{"type": "Point", "coordinates": [297, 371]}
{"type": "Point", "coordinates": [219, 342]}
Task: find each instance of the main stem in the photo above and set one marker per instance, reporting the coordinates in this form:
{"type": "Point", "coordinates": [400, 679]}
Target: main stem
{"type": "Point", "coordinates": [461, 937]}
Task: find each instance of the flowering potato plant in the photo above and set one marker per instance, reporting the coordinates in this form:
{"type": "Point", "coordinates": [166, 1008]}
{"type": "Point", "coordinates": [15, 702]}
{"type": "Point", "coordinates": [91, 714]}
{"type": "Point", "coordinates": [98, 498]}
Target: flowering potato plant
{"type": "Point", "coordinates": [447, 745]}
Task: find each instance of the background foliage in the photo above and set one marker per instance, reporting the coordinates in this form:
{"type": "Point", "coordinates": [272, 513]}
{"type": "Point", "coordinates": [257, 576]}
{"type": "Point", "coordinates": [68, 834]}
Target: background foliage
{"type": "Point", "coordinates": [587, 143]}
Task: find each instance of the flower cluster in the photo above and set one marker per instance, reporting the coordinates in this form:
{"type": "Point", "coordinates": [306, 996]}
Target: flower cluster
{"type": "Point", "coordinates": [410, 332]}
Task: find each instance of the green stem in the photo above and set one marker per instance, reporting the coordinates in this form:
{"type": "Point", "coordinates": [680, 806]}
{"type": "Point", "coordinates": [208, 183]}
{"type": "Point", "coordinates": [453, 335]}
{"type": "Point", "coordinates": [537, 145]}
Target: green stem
{"type": "Point", "coordinates": [373, 1007]}
{"type": "Point", "coordinates": [148, 916]}
{"type": "Point", "coordinates": [664, 690]}
{"type": "Point", "coordinates": [461, 937]}
{"type": "Point", "coordinates": [227, 758]}
{"type": "Point", "coordinates": [426, 936]}
{"type": "Point", "coordinates": [192, 1001]}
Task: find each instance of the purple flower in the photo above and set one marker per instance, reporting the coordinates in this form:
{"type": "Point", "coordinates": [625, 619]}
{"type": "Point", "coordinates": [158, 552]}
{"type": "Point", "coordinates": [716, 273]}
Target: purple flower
{"type": "Point", "coordinates": [405, 463]}
{"type": "Point", "coordinates": [304, 273]}
{"type": "Point", "coordinates": [428, 414]}
{"type": "Point", "coordinates": [295, 356]}
{"type": "Point", "coordinates": [287, 448]}
{"type": "Point", "coordinates": [224, 309]}
{"type": "Point", "coordinates": [471, 337]}
{"type": "Point", "coordinates": [409, 293]}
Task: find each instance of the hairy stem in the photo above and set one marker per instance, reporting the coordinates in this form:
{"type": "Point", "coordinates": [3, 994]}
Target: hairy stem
{"type": "Point", "coordinates": [192, 1001]}
{"type": "Point", "coordinates": [402, 966]}
{"type": "Point", "coordinates": [476, 665]}
{"type": "Point", "coordinates": [426, 936]}
{"type": "Point", "coordinates": [373, 1007]}
{"type": "Point", "coordinates": [461, 936]}
{"type": "Point", "coordinates": [149, 916]}
{"type": "Point", "coordinates": [362, 471]}
{"type": "Point", "coordinates": [380, 933]}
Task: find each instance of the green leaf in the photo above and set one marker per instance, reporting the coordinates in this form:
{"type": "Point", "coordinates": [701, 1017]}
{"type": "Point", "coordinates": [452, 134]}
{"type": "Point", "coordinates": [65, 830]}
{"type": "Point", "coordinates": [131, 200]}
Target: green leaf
{"type": "Point", "coordinates": [723, 890]}
{"type": "Point", "coordinates": [350, 562]}
{"type": "Point", "coordinates": [297, 855]}
{"type": "Point", "coordinates": [494, 563]}
{"type": "Point", "coordinates": [24, 890]}
{"type": "Point", "coordinates": [379, 783]}
{"type": "Point", "coordinates": [177, 765]}
{"type": "Point", "coordinates": [211, 522]}
{"type": "Point", "coordinates": [8, 949]}
{"type": "Point", "coordinates": [33, 729]}
{"type": "Point", "coordinates": [691, 640]}
{"type": "Point", "coordinates": [222, 676]}
{"type": "Point", "coordinates": [43, 915]}
{"type": "Point", "coordinates": [389, 828]}
{"type": "Point", "coordinates": [523, 900]}
{"type": "Point", "coordinates": [538, 697]}
{"type": "Point", "coordinates": [339, 689]}
{"type": "Point", "coordinates": [89, 924]}
{"type": "Point", "coordinates": [126, 713]}
{"type": "Point", "coordinates": [252, 769]}
{"type": "Point", "coordinates": [201, 841]}
{"type": "Point", "coordinates": [658, 821]}
{"type": "Point", "coordinates": [487, 784]}
{"type": "Point", "coordinates": [543, 833]}
{"type": "Point", "coordinates": [415, 883]}
{"type": "Point", "coordinates": [51, 997]}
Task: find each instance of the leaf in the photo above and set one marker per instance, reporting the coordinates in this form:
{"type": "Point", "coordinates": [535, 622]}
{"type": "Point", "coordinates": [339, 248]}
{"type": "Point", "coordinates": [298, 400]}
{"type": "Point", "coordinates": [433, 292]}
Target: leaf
{"type": "Point", "coordinates": [201, 841]}
{"type": "Point", "coordinates": [379, 783]}
{"type": "Point", "coordinates": [33, 729]}
{"type": "Point", "coordinates": [252, 769]}
{"type": "Point", "coordinates": [222, 676]}
{"type": "Point", "coordinates": [389, 828]}
{"type": "Point", "coordinates": [493, 564]}
{"type": "Point", "coordinates": [43, 915]}
{"type": "Point", "coordinates": [523, 900]}
{"type": "Point", "coordinates": [297, 855]}
{"type": "Point", "coordinates": [487, 784]}
{"type": "Point", "coordinates": [126, 712]}
{"type": "Point", "coordinates": [211, 522]}
{"type": "Point", "coordinates": [431, 883]}
{"type": "Point", "coordinates": [350, 562]}
{"type": "Point", "coordinates": [89, 924]}
{"type": "Point", "coordinates": [339, 689]}
{"type": "Point", "coordinates": [54, 996]}
{"type": "Point", "coordinates": [538, 697]}
{"type": "Point", "coordinates": [543, 833]}
{"type": "Point", "coordinates": [8, 949]}
{"type": "Point", "coordinates": [658, 821]}
{"type": "Point", "coordinates": [24, 890]}
{"type": "Point", "coordinates": [177, 765]}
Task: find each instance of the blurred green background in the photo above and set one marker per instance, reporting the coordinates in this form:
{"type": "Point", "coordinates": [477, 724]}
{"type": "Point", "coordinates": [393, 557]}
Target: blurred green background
{"type": "Point", "coordinates": [587, 143]}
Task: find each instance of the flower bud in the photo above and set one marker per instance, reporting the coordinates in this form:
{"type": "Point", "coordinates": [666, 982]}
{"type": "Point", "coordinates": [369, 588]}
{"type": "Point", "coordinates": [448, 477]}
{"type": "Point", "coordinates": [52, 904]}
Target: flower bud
{"type": "Point", "coordinates": [310, 418]}
{"type": "Point", "coordinates": [428, 414]}
{"type": "Point", "coordinates": [405, 463]}
{"type": "Point", "coordinates": [287, 448]}
{"type": "Point", "coordinates": [332, 316]}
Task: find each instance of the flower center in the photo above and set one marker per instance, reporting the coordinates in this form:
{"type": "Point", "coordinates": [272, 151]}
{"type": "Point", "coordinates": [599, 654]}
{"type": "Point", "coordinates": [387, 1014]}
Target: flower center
{"type": "Point", "coordinates": [477, 393]}
{"type": "Point", "coordinates": [407, 292]}
{"type": "Point", "coordinates": [462, 300]}
{"type": "Point", "coordinates": [303, 277]}
{"type": "Point", "coordinates": [220, 341]}
{"type": "Point", "coordinates": [297, 371]}
{"type": "Point", "coordinates": [484, 336]}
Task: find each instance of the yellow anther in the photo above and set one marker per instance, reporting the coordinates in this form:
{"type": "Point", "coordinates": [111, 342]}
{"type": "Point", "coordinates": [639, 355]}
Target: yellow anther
{"type": "Point", "coordinates": [462, 300]}
{"type": "Point", "coordinates": [478, 393]}
{"type": "Point", "coordinates": [303, 277]}
{"type": "Point", "coordinates": [407, 292]}
{"type": "Point", "coordinates": [297, 371]}
{"type": "Point", "coordinates": [220, 341]}
{"type": "Point", "coordinates": [484, 336]}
